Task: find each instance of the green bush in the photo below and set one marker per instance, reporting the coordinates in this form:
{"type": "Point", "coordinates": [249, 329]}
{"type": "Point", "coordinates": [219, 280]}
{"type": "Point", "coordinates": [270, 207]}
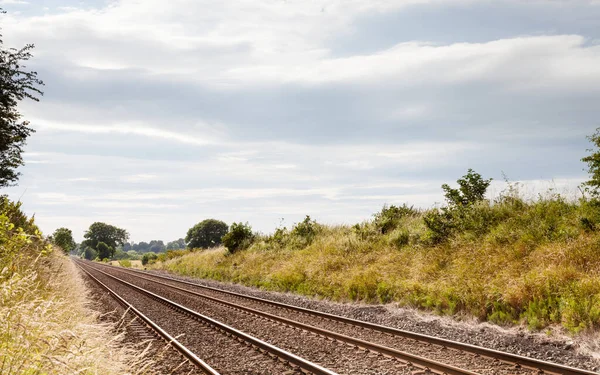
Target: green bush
{"type": "Point", "coordinates": [239, 237]}
{"type": "Point", "coordinates": [149, 258]}
{"type": "Point", "coordinates": [305, 231]}
{"type": "Point", "coordinates": [390, 217]}
{"type": "Point", "coordinates": [125, 263]}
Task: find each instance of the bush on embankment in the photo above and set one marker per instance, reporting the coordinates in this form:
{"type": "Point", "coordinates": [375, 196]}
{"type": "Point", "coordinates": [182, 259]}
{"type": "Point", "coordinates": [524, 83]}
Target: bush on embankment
{"type": "Point", "coordinates": [45, 326]}
{"type": "Point", "coordinates": [506, 261]}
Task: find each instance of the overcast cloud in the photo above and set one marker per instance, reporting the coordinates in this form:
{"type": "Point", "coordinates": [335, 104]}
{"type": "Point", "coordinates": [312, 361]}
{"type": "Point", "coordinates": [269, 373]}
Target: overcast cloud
{"type": "Point", "coordinates": [158, 114]}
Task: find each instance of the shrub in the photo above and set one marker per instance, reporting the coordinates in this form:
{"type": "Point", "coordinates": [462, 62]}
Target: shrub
{"type": "Point", "coordinates": [239, 237]}
{"type": "Point", "coordinates": [125, 263]}
{"type": "Point", "coordinates": [439, 225]}
{"type": "Point", "coordinates": [472, 189]}
{"type": "Point", "coordinates": [149, 258]}
{"type": "Point", "coordinates": [389, 217]}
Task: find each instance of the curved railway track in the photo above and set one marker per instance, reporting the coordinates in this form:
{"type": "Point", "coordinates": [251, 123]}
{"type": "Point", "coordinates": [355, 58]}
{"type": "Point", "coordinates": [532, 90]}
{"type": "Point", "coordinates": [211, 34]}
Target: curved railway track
{"type": "Point", "coordinates": [353, 328]}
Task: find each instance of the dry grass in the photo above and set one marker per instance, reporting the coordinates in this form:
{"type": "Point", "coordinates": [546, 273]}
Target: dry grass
{"type": "Point", "coordinates": [47, 327]}
{"type": "Point", "coordinates": [535, 263]}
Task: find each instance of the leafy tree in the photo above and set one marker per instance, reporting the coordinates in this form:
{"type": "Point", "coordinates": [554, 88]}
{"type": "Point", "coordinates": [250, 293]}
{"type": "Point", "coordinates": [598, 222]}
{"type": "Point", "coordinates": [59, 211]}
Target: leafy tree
{"type": "Point", "coordinates": [107, 234]}
{"type": "Point", "coordinates": [16, 84]}
{"type": "Point", "coordinates": [593, 162]}
{"type": "Point", "coordinates": [89, 253]}
{"type": "Point", "coordinates": [104, 251]}
{"type": "Point", "coordinates": [472, 189]}
{"type": "Point", "coordinates": [205, 234]}
{"type": "Point", "coordinates": [63, 238]}
{"type": "Point", "coordinates": [239, 237]}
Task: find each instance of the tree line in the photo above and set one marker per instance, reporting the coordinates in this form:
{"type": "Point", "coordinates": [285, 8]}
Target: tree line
{"type": "Point", "coordinates": [104, 241]}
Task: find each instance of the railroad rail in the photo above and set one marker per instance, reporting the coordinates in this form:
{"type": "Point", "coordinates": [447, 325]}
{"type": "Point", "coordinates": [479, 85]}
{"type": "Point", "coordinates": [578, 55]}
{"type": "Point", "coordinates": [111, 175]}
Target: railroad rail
{"type": "Point", "coordinates": [514, 359]}
{"type": "Point", "coordinates": [193, 358]}
{"type": "Point", "coordinates": [286, 357]}
{"type": "Point", "coordinates": [425, 363]}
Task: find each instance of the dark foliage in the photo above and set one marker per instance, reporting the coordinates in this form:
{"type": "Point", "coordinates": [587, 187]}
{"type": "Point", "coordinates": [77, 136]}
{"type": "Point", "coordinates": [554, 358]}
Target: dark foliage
{"type": "Point", "coordinates": [205, 234]}
{"type": "Point", "coordinates": [239, 237]}
{"type": "Point", "coordinates": [16, 84]}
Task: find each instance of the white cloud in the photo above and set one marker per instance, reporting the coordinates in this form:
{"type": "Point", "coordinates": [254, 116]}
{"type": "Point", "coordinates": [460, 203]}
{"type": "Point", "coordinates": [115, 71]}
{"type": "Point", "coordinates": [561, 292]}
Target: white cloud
{"type": "Point", "coordinates": [145, 145]}
{"type": "Point", "coordinates": [126, 128]}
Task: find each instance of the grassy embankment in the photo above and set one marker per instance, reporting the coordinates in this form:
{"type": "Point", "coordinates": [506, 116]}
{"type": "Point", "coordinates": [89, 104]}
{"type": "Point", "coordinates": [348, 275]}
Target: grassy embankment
{"type": "Point", "coordinates": [45, 324]}
{"type": "Point", "coordinates": [508, 261]}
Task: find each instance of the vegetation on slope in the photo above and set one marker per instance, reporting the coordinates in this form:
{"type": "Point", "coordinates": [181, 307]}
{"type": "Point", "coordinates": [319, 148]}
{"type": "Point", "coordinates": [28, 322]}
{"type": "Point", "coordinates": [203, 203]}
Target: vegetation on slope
{"type": "Point", "coordinates": [45, 326]}
{"type": "Point", "coordinates": [507, 261]}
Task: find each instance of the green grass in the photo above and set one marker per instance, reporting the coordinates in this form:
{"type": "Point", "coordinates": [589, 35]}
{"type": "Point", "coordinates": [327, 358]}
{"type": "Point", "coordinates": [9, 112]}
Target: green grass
{"type": "Point", "coordinates": [511, 261]}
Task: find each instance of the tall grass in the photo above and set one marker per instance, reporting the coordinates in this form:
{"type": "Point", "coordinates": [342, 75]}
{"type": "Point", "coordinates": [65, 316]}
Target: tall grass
{"type": "Point", "coordinates": [509, 261]}
{"type": "Point", "coordinates": [45, 324]}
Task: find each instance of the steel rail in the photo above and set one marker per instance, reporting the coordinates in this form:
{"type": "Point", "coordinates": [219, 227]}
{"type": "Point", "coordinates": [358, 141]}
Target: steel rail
{"type": "Point", "coordinates": [531, 363]}
{"type": "Point", "coordinates": [422, 362]}
{"type": "Point", "coordinates": [193, 358]}
{"type": "Point", "coordinates": [284, 355]}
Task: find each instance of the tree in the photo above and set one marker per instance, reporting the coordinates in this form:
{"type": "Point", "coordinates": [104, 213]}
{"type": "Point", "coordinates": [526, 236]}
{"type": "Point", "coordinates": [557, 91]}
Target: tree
{"type": "Point", "coordinates": [110, 235]}
{"type": "Point", "coordinates": [593, 162]}
{"type": "Point", "coordinates": [157, 246]}
{"type": "Point", "coordinates": [16, 84]}
{"type": "Point", "coordinates": [472, 189]}
{"type": "Point", "coordinates": [176, 245]}
{"type": "Point", "coordinates": [205, 234]}
{"type": "Point", "coordinates": [104, 251]}
{"type": "Point", "coordinates": [63, 238]}
{"type": "Point", "coordinates": [89, 253]}
{"type": "Point", "coordinates": [239, 237]}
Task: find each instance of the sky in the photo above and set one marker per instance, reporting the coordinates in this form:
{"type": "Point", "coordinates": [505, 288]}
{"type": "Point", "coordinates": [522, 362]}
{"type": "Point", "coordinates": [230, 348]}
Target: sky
{"type": "Point", "coordinates": [159, 114]}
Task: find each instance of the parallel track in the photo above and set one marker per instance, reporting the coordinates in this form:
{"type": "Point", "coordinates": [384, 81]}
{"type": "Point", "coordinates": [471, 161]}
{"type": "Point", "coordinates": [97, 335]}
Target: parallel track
{"type": "Point", "coordinates": [193, 358]}
{"type": "Point", "coordinates": [519, 361]}
{"type": "Point", "coordinates": [286, 357]}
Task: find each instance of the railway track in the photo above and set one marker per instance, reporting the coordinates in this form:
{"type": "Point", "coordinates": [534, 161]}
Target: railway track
{"type": "Point", "coordinates": [303, 315]}
{"type": "Point", "coordinates": [412, 364]}
{"type": "Point", "coordinates": [245, 350]}
{"type": "Point", "coordinates": [149, 324]}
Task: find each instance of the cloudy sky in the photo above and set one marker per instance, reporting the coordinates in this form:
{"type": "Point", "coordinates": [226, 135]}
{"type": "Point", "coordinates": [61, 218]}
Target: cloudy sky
{"type": "Point", "coordinates": [158, 114]}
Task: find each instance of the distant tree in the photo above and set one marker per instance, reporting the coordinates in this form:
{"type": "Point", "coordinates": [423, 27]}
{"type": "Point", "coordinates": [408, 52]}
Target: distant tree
{"type": "Point", "coordinates": [89, 253]}
{"type": "Point", "coordinates": [157, 246]}
{"type": "Point", "coordinates": [104, 251]}
{"type": "Point", "coordinates": [16, 84]}
{"type": "Point", "coordinates": [239, 237]}
{"type": "Point", "coordinates": [472, 189]}
{"type": "Point", "coordinates": [176, 245]}
{"type": "Point", "coordinates": [63, 238]}
{"type": "Point", "coordinates": [107, 234]}
{"type": "Point", "coordinates": [127, 246]}
{"type": "Point", "coordinates": [205, 234]}
{"type": "Point", "coordinates": [593, 161]}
